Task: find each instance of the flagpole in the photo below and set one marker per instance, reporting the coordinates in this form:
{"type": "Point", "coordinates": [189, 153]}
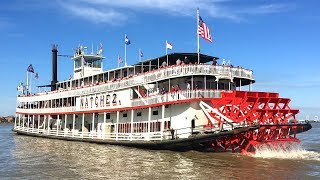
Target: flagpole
{"type": "Point", "coordinates": [27, 85]}
{"type": "Point", "coordinates": [118, 61]}
{"type": "Point", "coordinates": [82, 62]}
{"type": "Point", "coordinates": [198, 39]}
{"type": "Point", "coordinates": [125, 50]}
{"type": "Point", "coordinates": [139, 55]}
{"type": "Point", "coordinates": [167, 53]}
{"type": "Point", "coordinates": [92, 47]}
{"type": "Point", "coordinates": [30, 85]}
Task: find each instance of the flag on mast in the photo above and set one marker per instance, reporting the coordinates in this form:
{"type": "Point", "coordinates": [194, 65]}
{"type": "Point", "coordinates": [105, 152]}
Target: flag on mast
{"type": "Point", "coordinates": [119, 60]}
{"type": "Point", "coordinates": [203, 30]}
{"type": "Point", "coordinates": [141, 53]}
{"type": "Point", "coordinates": [36, 76]}
{"type": "Point", "coordinates": [100, 50]}
{"type": "Point", "coordinates": [30, 68]}
{"type": "Point", "coordinates": [169, 45]}
{"type": "Point", "coordinates": [126, 40]}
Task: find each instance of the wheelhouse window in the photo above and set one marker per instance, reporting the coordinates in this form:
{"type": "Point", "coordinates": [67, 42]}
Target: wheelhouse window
{"type": "Point", "coordinates": [77, 63]}
{"type": "Point", "coordinates": [96, 64]}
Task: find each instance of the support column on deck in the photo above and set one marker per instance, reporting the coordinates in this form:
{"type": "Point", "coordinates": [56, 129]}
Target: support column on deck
{"type": "Point", "coordinates": [48, 124]}
{"type": "Point", "coordinates": [44, 123]}
{"type": "Point", "coordinates": [250, 86]}
{"type": "Point", "coordinates": [162, 121]}
{"type": "Point", "coordinates": [240, 85]}
{"type": "Point", "coordinates": [217, 84]}
{"type": "Point", "coordinates": [92, 127]}
{"type": "Point", "coordinates": [28, 123]}
{"type": "Point", "coordinates": [32, 123]}
{"type": "Point", "coordinates": [192, 82]}
{"type": "Point", "coordinates": [73, 122]}
{"type": "Point", "coordinates": [205, 82]}
{"type": "Point", "coordinates": [131, 130]}
{"type": "Point", "coordinates": [82, 128]}
{"type": "Point", "coordinates": [65, 124]}
{"type": "Point", "coordinates": [19, 121]}
{"type": "Point", "coordinates": [38, 123]}
{"type": "Point", "coordinates": [15, 122]}
{"type": "Point", "coordinates": [149, 119]}
{"type": "Point", "coordinates": [117, 126]}
{"type": "Point", "coordinates": [104, 125]}
{"type": "Point", "coordinates": [58, 124]}
{"type": "Point", "coordinates": [23, 117]}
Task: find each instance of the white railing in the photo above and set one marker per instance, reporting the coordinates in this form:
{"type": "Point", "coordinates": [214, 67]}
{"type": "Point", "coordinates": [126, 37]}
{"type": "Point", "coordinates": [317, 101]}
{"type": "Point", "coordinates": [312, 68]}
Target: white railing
{"type": "Point", "coordinates": [154, 99]}
{"type": "Point", "coordinates": [152, 136]}
{"type": "Point", "coordinates": [174, 96]}
{"type": "Point", "coordinates": [148, 77]}
{"type": "Point", "coordinates": [47, 110]}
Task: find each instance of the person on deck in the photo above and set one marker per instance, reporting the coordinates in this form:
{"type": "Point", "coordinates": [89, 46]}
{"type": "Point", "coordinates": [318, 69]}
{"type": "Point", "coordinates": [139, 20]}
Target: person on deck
{"type": "Point", "coordinates": [164, 64]}
{"type": "Point", "coordinates": [186, 60]}
{"type": "Point", "coordinates": [178, 62]}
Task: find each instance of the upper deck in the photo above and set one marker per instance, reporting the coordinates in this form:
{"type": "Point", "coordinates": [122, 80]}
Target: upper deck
{"type": "Point", "coordinates": [126, 81]}
{"type": "Point", "coordinates": [70, 88]}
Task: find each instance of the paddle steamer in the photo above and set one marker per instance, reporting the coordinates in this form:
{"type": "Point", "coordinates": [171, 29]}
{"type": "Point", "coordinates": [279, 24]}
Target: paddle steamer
{"type": "Point", "coordinates": [163, 103]}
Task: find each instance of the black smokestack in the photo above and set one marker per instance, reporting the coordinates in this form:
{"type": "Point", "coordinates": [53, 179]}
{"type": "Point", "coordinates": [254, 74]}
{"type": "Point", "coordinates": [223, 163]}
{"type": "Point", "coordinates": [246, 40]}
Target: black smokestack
{"type": "Point", "coordinates": [54, 66]}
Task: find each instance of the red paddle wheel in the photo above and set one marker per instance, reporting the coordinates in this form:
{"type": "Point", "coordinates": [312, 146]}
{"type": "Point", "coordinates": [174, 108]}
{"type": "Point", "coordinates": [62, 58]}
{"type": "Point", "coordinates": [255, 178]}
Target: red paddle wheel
{"type": "Point", "coordinates": [267, 111]}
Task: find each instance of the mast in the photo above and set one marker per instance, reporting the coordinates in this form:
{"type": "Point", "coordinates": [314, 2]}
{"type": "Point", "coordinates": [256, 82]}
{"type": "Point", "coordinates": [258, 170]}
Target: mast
{"type": "Point", "coordinates": [27, 85]}
{"type": "Point", "coordinates": [198, 39]}
{"type": "Point", "coordinates": [167, 53]}
{"type": "Point", "coordinates": [125, 50]}
{"type": "Point", "coordinates": [139, 55]}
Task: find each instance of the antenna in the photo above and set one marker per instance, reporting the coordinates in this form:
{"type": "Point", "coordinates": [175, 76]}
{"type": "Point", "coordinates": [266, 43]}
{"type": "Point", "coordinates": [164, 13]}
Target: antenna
{"type": "Point", "coordinates": [92, 48]}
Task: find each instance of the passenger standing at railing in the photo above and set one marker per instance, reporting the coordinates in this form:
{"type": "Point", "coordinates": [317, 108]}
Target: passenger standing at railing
{"type": "Point", "coordinates": [178, 91]}
{"type": "Point", "coordinates": [186, 60]}
{"type": "Point", "coordinates": [178, 62]}
{"type": "Point", "coordinates": [172, 91]}
{"type": "Point", "coordinates": [188, 90]}
{"type": "Point", "coordinates": [172, 133]}
{"type": "Point", "coordinates": [214, 62]}
{"type": "Point", "coordinates": [223, 62]}
{"type": "Point", "coordinates": [164, 64]}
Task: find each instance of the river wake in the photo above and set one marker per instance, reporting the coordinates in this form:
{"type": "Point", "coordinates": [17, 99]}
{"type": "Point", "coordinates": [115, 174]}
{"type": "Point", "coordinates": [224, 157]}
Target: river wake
{"type": "Point", "coordinates": [285, 151]}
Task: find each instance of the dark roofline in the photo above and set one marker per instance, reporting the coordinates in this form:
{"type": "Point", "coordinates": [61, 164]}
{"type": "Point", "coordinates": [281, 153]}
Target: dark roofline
{"type": "Point", "coordinates": [193, 58]}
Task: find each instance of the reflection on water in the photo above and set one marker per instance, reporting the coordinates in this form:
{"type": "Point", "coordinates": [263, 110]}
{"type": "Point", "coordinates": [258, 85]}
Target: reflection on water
{"type": "Point", "coordinates": [39, 158]}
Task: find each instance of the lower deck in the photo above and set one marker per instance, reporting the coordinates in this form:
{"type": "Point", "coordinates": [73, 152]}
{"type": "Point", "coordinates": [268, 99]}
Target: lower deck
{"type": "Point", "coordinates": [175, 121]}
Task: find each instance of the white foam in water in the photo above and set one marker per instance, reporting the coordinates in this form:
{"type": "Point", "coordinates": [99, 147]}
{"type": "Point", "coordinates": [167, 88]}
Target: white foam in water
{"type": "Point", "coordinates": [287, 150]}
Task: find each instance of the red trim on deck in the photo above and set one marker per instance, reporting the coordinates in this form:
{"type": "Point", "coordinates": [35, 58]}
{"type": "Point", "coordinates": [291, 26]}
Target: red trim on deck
{"type": "Point", "coordinates": [122, 109]}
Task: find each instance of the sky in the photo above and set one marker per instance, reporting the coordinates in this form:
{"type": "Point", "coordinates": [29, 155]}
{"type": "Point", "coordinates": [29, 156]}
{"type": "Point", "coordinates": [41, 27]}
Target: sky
{"type": "Point", "coordinates": [277, 39]}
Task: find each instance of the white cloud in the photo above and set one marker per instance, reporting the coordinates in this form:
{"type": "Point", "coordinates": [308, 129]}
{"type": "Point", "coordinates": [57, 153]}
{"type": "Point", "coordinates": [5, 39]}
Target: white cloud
{"type": "Point", "coordinates": [95, 14]}
{"type": "Point", "coordinates": [267, 9]}
{"type": "Point", "coordinates": [111, 11]}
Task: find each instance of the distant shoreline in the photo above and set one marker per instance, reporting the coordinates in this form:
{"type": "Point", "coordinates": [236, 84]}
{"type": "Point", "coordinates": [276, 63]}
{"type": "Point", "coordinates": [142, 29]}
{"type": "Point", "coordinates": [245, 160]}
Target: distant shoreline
{"type": "Point", "coordinates": [6, 119]}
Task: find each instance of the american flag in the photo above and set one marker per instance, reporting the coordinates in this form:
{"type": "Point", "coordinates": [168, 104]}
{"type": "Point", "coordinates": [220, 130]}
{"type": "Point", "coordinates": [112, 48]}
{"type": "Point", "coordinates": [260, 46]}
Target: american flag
{"type": "Point", "coordinates": [203, 30]}
{"type": "Point", "coordinates": [119, 60]}
{"type": "Point", "coordinates": [100, 50]}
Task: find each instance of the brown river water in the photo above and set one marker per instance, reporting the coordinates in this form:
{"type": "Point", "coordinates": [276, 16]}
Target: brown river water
{"type": "Point", "coordinates": [23, 157]}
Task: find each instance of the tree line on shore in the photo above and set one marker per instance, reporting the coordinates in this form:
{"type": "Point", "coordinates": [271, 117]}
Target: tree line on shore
{"type": "Point", "coordinates": [6, 119]}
